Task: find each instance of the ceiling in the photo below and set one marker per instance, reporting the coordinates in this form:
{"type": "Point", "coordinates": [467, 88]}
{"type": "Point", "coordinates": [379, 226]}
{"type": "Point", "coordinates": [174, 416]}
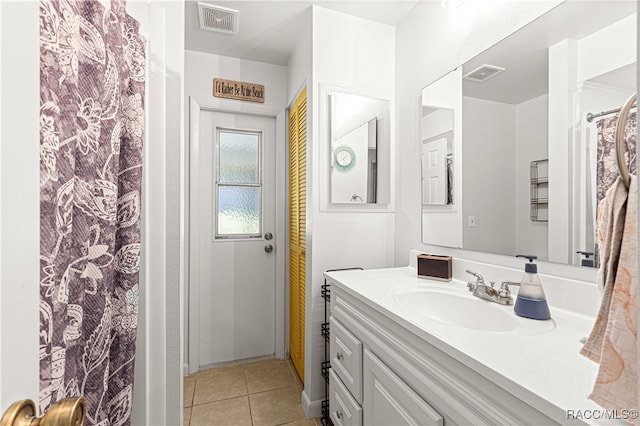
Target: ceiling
{"type": "Point", "coordinates": [531, 64]}
{"type": "Point", "coordinates": [268, 30]}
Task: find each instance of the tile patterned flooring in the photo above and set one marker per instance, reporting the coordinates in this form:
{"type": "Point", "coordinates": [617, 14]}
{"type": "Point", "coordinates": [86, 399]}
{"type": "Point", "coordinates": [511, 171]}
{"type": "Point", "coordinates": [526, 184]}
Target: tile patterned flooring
{"type": "Point", "coordinates": [265, 393]}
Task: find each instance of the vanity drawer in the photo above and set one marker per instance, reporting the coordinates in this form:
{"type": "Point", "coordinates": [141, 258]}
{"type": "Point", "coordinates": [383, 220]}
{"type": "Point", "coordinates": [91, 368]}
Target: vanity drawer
{"type": "Point", "coordinates": [346, 358]}
{"type": "Point", "coordinates": [344, 409]}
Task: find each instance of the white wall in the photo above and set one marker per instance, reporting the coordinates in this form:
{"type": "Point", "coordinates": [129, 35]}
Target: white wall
{"type": "Point", "coordinates": [610, 48]}
{"type": "Point", "coordinates": [201, 68]}
{"type": "Point", "coordinates": [489, 170]}
{"type": "Point", "coordinates": [163, 273]}
{"type": "Point", "coordinates": [421, 58]}
{"type": "Point", "coordinates": [531, 145]}
{"type": "Point", "coordinates": [299, 66]}
{"type": "Point", "coordinates": [355, 54]}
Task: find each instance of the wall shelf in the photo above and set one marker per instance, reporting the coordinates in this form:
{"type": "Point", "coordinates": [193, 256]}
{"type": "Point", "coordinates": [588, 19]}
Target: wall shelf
{"type": "Point", "coordinates": [539, 191]}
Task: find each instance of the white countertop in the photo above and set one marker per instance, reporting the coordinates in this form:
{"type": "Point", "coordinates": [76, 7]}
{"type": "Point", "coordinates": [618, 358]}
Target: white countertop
{"type": "Point", "coordinates": [546, 370]}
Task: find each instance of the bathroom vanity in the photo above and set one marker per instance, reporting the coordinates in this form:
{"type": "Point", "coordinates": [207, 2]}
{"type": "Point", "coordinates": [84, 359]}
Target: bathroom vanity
{"type": "Point", "coordinates": [407, 350]}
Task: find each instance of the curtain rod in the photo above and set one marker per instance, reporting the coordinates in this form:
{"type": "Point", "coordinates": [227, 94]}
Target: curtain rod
{"type": "Point", "coordinates": [591, 116]}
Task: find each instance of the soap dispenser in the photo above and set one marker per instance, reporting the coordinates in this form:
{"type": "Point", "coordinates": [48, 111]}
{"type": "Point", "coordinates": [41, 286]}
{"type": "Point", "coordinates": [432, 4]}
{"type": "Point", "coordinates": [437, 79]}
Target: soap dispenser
{"type": "Point", "coordinates": [531, 301]}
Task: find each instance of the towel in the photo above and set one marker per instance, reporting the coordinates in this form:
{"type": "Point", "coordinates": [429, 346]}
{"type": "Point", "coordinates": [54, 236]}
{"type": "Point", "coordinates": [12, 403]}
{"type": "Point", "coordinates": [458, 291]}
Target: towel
{"type": "Point", "coordinates": [613, 339]}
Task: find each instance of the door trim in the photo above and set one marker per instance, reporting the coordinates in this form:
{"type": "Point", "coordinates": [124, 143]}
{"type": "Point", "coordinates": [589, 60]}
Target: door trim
{"type": "Point", "coordinates": [191, 208]}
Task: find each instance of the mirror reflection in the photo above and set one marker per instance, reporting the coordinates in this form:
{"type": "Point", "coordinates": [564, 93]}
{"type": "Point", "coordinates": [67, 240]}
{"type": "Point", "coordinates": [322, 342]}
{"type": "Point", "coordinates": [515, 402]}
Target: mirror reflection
{"type": "Point", "coordinates": [356, 133]}
{"type": "Point", "coordinates": [538, 111]}
{"type": "Point", "coordinates": [437, 155]}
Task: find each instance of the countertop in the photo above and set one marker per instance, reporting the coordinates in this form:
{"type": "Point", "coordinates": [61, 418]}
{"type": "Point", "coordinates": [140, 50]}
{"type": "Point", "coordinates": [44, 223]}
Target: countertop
{"type": "Point", "coordinates": [545, 369]}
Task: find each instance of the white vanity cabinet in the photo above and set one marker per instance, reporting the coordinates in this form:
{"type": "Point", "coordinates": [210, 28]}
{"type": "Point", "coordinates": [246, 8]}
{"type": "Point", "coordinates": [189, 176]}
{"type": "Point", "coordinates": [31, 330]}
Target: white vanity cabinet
{"type": "Point", "coordinates": [390, 401]}
{"type": "Point", "coordinates": [359, 379]}
{"type": "Point", "coordinates": [382, 373]}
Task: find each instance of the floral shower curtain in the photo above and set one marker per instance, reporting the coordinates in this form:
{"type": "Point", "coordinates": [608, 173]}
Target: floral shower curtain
{"type": "Point", "coordinates": [92, 78]}
{"type": "Point", "coordinates": [606, 162]}
{"type": "Point", "coordinates": [607, 171]}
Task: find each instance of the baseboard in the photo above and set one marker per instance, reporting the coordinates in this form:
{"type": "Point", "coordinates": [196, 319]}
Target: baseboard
{"type": "Point", "coordinates": [311, 409]}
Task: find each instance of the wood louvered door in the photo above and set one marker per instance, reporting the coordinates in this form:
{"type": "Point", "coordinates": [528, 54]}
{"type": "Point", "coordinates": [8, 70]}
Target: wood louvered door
{"type": "Point", "coordinates": [297, 228]}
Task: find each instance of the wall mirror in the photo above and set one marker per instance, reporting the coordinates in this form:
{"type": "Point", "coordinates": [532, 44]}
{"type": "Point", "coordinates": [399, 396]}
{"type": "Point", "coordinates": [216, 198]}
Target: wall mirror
{"type": "Point", "coordinates": [533, 121]}
{"type": "Point", "coordinates": [359, 158]}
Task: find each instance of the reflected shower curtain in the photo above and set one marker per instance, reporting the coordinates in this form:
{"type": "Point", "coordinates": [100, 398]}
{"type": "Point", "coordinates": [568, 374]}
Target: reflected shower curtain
{"type": "Point", "coordinates": [606, 168]}
{"type": "Point", "coordinates": [92, 77]}
{"type": "Point", "coordinates": [607, 171]}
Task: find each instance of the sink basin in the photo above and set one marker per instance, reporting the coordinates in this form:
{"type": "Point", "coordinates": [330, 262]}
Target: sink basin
{"type": "Point", "coordinates": [455, 307]}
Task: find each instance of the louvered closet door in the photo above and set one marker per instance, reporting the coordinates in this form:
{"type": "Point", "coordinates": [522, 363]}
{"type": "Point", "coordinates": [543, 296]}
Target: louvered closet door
{"type": "Point", "coordinates": [297, 228]}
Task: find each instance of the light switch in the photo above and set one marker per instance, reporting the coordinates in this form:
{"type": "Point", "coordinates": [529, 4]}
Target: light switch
{"type": "Point", "coordinates": [472, 221]}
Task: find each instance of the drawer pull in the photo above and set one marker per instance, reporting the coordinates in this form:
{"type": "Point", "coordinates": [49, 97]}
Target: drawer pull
{"type": "Point", "coordinates": [339, 356]}
{"type": "Point", "coordinates": [339, 414]}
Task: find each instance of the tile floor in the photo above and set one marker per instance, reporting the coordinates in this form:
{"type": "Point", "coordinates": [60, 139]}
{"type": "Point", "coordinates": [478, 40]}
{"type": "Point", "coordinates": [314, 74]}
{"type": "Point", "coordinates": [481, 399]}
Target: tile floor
{"type": "Point", "coordinates": [265, 393]}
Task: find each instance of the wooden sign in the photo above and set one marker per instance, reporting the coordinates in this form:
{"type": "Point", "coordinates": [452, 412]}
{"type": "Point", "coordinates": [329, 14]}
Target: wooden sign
{"type": "Point", "coordinates": [239, 90]}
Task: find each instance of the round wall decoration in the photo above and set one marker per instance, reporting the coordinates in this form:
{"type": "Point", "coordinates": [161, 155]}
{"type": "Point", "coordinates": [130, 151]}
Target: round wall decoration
{"type": "Point", "coordinates": [344, 158]}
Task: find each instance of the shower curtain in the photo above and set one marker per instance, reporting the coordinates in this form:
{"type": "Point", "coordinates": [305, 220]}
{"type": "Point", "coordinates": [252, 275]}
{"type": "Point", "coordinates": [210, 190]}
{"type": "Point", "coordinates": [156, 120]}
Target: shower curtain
{"type": "Point", "coordinates": [606, 168]}
{"type": "Point", "coordinates": [607, 171]}
{"type": "Point", "coordinates": [92, 79]}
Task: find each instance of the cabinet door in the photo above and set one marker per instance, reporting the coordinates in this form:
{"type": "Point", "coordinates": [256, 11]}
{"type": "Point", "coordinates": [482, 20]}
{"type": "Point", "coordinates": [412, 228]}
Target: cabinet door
{"type": "Point", "coordinates": [389, 401]}
{"type": "Point", "coordinates": [346, 358]}
{"type": "Point", "coordinates": [345, 411]}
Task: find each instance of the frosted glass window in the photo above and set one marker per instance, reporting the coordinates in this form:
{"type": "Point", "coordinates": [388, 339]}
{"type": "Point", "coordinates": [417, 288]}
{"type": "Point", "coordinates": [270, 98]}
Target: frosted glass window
{"type": "Point", "coordinates": [239, 157]}
{"type": "Point", "coordinates": [238, 210]}
{"type": "Point", "coordinates": [238, 185]}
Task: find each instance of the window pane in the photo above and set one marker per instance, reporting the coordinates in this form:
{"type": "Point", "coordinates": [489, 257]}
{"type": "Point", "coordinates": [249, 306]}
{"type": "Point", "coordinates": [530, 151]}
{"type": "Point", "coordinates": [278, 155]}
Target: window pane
{"type": "Point", "coordinates": [238, 210]}
{"type": "Point", "coordinates": [239, 157]}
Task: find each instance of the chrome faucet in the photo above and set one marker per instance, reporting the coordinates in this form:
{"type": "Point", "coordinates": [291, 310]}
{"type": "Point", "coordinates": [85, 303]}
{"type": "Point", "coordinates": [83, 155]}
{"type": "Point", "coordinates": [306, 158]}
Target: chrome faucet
{"type": "Point", "coordinates": [483, 291]}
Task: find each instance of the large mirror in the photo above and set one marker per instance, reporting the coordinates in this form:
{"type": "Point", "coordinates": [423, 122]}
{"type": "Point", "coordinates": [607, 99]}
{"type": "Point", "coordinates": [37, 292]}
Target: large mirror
{"type": "Point", "coordinates": [359, 137]}
{"type": "Point", "coordinates": [532, 150]}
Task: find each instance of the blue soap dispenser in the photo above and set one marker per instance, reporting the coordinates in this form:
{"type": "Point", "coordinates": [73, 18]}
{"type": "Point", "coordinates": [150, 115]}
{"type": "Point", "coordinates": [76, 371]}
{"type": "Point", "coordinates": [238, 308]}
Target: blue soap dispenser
{"type": "Point", "coordinates": [531, 301]}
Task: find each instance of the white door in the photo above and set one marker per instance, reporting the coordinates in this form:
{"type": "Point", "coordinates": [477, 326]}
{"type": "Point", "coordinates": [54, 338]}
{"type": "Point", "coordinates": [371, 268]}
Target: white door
{"type": "Point", "coordinates": [19, 208]}
{"type": "Point", "coordinates": [234, 230]}
{"type": "Point", "coordinates": [434, 169]}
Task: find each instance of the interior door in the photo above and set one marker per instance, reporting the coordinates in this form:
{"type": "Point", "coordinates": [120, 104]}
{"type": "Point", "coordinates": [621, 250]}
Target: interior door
{"type": "Point", "coordinates": [19, 195]}
{"type": "Point", "coordinates": [434, 165]}
{"type": "Point", "coordinates": [235, 226]}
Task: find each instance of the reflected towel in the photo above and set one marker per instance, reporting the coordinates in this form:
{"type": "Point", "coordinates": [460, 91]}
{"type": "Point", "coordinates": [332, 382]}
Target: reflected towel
{"type": "Point", "coordinates": [613, 339]}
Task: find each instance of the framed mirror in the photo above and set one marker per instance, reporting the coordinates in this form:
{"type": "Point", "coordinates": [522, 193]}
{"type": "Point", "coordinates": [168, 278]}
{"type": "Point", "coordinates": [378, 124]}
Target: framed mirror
{"type": "Point", "coordinates": [530, 160]}
{"type": "Point", "coordinates": [359, 137]}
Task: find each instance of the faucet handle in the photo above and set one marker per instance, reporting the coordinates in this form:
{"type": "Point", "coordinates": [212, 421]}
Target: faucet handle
{"type": "Point", "coordinates": [479, 277]}
{"type": "Point", "coordinates": [505, 292]}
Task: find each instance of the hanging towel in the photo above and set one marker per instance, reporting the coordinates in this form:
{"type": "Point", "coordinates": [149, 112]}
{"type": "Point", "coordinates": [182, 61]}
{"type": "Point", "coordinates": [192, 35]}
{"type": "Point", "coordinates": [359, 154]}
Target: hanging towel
{"type": "Point", "coordinates": [613, 339]}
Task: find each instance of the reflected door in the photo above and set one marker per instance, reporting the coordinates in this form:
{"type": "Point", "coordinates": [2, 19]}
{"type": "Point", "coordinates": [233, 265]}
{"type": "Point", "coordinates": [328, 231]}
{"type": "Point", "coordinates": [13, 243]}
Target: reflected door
{"type": "Point", "coordinates": [434, 169]}
{"type": "Point", "coordinates": [236, 173]}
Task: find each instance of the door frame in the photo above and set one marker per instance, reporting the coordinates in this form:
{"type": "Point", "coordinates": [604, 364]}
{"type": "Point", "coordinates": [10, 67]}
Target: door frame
{"type": "Point", "coordinates": [191, 228]}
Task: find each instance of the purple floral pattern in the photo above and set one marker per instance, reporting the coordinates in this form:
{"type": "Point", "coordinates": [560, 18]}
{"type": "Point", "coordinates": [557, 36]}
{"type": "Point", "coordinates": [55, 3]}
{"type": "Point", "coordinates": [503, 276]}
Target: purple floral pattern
{"type": "Point", "coordinates": [607, 169]}
{"type": "Point", "coordinates": [92, 77]}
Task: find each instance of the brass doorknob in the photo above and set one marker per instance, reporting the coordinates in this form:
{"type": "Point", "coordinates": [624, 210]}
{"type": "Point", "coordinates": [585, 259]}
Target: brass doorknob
{"type": "Point", "coordinates": [68, 412]}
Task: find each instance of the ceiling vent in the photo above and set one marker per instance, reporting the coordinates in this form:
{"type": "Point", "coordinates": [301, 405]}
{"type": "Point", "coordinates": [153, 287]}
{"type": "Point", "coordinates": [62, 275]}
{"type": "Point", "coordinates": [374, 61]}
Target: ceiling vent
{"type": "Point", "coordinates": [483, 73]}
{"type": "Point", "coordinates": [219, 19]}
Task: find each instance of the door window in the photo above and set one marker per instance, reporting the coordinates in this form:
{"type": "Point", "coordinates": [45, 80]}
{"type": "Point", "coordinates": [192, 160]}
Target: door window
{"type": "Point", "coordinates": [238, 184]}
